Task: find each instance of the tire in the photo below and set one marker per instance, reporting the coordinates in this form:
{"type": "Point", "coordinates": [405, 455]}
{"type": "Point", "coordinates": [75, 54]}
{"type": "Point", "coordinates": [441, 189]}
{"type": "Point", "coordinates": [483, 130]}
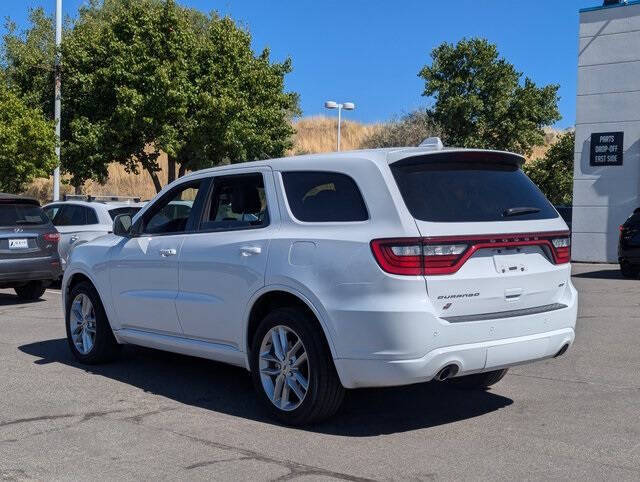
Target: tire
{"type": "Point", "coordinates": [32, 291]}
{"type": "Point", "coordinates": [324, 392]}
{"type": "Point", "coordinates": [104, 347]}
{"type": "Point", "coordinates": [479, 380]}
{"type": "Point", "coordinates": [629, 270]}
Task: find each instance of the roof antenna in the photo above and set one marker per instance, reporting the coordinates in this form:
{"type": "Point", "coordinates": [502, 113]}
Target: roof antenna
{"type": "Point", "coordinates": [432, 143]}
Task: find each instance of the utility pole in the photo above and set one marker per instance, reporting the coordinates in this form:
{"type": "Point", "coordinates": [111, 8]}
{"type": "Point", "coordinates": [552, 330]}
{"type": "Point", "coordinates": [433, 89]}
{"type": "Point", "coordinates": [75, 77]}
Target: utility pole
{"type": "Point", "coordinates": [56, 172]}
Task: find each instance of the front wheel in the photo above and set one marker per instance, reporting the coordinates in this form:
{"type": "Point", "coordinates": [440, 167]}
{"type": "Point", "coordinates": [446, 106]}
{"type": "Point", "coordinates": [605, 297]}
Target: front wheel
{"type": "Point", "coordinates": [32, 291]}
{"type": "Point", "coordinates": [479, 380]}
{"type": "Point", "coordinates": [292, 368]}
{"type": "Point", "coordinates": [88, 331]}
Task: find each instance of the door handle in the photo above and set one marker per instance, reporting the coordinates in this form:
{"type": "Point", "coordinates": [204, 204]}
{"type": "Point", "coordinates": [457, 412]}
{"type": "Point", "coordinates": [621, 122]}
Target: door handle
{"type": "Point", "coordinates": [250, 250]}
{"type": "Point", "coordinates": [168, 252]}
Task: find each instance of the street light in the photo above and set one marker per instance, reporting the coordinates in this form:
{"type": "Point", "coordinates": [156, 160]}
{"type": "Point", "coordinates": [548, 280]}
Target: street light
{"type": "Point", "coordinates": [56, 172]}
{"type": "Point", "coordinates": [334, 105]}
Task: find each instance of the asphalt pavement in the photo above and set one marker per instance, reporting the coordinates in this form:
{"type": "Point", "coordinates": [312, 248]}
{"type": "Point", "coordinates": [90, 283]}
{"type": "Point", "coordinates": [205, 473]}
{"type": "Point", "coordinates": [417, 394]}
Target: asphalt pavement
{"type": "Point", "coordinates": [155, 415]}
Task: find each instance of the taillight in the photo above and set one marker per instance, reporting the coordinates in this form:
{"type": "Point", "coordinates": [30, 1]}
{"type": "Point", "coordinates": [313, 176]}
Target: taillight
{"type": "Point", "coordinates": [562, 247]}
{"type": "Point", "coordinates": [446, 255]}
{"type": "Point", "coordinates": [399, 256]}
{"type": "Point", "coordinates": [51, 237]}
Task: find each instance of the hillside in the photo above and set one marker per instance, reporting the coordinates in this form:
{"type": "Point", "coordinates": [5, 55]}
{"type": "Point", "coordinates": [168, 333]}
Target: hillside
{"type": "Point", "coordinates": [313, 135]}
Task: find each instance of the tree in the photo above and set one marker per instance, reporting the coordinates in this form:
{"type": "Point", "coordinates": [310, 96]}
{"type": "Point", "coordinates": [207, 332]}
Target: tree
{"type": "Point", "coordinates": [553, 173]}
{"type": "Point", "coordinates": [409, 130]}
{"type": "Point", "coordinates": [27, 142]}
{"type": "Point", "coordinates": [141, 77]}
{"type": "Point", "coordinates": [480, 100]}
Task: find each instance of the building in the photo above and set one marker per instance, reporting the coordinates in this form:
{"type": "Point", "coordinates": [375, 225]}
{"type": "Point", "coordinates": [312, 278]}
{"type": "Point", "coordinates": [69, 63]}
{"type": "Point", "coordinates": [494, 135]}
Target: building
{"type": "Point", "coordinates": [607, 153]}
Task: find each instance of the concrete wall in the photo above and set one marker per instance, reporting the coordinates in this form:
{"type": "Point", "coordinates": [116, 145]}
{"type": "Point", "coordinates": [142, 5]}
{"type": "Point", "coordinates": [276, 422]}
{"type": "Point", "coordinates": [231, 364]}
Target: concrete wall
{"type": "Point", "coordinates": [608, 101]}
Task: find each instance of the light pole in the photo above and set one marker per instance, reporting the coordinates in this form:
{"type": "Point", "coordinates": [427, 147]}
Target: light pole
{"type": "Point", "coordinates": [56, 172]}
{"type": "Point", "coordinates": [334, 105]}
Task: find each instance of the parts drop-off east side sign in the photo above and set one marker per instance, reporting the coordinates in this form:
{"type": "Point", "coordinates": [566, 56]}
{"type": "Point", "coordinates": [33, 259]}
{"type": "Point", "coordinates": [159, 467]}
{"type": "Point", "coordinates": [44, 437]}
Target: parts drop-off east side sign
{"type": "Point", "coordinates": [607, 149]}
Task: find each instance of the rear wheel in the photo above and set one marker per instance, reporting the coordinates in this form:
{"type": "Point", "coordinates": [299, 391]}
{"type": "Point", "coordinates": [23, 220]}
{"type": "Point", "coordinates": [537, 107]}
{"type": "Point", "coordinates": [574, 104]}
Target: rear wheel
{"type": "Point", "coordinates": [479, 380]}
{"type": "Point", "coordinates": [88, 331]}
{"type": "Point", "coordinates": [33, 290]}
{"type": "Point", "coordinates": [629, 270]}
{"type": "Point", "coordinates": [292, 368]}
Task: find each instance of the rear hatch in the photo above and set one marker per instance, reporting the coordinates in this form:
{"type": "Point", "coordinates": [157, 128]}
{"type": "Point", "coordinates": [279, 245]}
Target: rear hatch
{"type": "Point", "coordinates": [24, 230]}
{"type": "Point", "coordinates": [492, 244]}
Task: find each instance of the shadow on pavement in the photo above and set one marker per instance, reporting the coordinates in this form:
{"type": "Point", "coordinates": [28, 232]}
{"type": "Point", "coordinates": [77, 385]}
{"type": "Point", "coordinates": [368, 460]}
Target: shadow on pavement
{"type": "Point", "coordinates": [9, 300]}
{"type": "Point", "coordinates": [613, 273]}
{"type": "Point", "coordinates": [226, 389]}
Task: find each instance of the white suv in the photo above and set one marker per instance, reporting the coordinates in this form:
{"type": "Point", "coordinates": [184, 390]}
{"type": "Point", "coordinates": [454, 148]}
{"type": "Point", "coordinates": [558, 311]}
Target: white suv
{"type": "Point", "coordinates": [324, 272]}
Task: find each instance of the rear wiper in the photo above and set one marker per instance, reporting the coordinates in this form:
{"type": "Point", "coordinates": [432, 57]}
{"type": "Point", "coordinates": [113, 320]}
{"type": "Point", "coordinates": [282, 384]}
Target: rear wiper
{"type": "Point", "coordinates": [519, 211]}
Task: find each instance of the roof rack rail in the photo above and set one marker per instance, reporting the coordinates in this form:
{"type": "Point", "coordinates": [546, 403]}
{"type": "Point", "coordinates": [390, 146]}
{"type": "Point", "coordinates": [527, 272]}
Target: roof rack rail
{"type": "Point", "coordinates": [100, 198]}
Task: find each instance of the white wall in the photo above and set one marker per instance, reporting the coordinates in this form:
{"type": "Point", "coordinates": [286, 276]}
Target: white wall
{"type": "Point", "coordinates": [608, 101]}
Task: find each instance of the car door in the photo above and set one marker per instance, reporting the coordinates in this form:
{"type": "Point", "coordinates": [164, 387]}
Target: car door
{"type": "Point", "coordinates": [223, 263]}
{"type": "Point", "coordinates": [144, 268]}
{"type": "Point", "coordinates": [75, 223]}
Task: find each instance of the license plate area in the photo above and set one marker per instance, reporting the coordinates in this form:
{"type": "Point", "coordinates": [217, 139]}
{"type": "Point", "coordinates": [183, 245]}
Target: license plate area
{"type": "Point", "coordinates": [509, 261]}
{"type": "Point", "coordinates": [18, 244]}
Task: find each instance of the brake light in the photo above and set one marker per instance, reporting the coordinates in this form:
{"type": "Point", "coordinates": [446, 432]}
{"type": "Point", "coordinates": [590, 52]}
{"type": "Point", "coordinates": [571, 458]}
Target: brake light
{"type": "Point", "coordinates": [446, 255]}
{"type": "Point", "coordinates": [51, 237]}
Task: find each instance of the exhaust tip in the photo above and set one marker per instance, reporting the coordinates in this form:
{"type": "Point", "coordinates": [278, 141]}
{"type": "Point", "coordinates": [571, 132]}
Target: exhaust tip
{"type": "Point", "coordinates": [447, 372]}
{"type": "Point", "coordinates": [562, 351]}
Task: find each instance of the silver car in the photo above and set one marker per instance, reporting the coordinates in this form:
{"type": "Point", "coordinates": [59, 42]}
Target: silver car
{"type": "Point", "coordinates": [80, 219]}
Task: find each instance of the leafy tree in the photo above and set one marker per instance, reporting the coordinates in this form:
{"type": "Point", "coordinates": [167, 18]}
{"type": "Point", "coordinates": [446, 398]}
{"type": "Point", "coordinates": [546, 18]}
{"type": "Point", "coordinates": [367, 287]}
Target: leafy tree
{"type": "Point", "coordinates": [554, 172]}
{"type": "Point", "coordinates": [481, 102]}
{"type": "Point", "coordinates": [409, 130]}
{"type": "Point", "coordinates": [141, 77]}
{"type": "Point", "coordinates": [27, 142]}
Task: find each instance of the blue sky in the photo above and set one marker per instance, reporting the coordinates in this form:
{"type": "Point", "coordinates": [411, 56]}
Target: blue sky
{"type": "Point", "coordinates": [369, 52]}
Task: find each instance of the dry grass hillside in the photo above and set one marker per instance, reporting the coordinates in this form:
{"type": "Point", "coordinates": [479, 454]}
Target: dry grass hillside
{"type": "Point", "coordinates": [313, 134]}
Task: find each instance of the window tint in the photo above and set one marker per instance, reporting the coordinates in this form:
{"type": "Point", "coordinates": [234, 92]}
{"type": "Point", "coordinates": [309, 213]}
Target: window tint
{"type": "Point", "coordinates": [51, 211]}
{"type": "Point", "coordinates": [323, 197]}
{"type": "Point", "coordinates": [92, 217]}
{"type": "Point", "coordinates": [469, 192]}
{"type": "Point", "coordinates": [237, 202]}
{"type": "Point", "coordinates": [21, 214]}
{"type": "Point", "coordinates": [171, 213]}
{"type": "Point", "coordinates": [70, 215]}
{"type": "Point", "coordinates": [131, 211]}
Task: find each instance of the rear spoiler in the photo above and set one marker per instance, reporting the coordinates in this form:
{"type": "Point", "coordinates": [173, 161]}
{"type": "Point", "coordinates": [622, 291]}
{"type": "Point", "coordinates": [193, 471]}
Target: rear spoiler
{"type": "Point", "coordinates": [462, 157]}
{"type": "Point", "coordinates": [18, 200]}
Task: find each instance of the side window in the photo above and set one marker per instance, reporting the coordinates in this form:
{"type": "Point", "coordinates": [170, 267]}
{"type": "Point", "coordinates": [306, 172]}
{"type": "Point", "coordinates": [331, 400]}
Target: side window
{"type": "Point", "coordinates": [92, 217]}
{"type": "Point", "coordinates": [171, 213]}
{"type": "Point", "coordinates": [324, 197]}
{"type": "Point", "coordinates": [237, 202]}
{"type": "Point", "coordinates": [70, 215]}
{"type": "Point", "coordinates": [51, 211]}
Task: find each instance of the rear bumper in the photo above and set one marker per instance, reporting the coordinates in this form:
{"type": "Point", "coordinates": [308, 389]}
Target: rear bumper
{"type": "Point", "coordinates": [472, 358]}
{"type": "Point", "coordinates": [16, 271]}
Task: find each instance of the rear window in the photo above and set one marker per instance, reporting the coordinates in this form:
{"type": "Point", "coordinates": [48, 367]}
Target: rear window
{"type": "Point", "coordinates": [21, 214]}
{"type": "Point", "coordinates": [469, 192]}
{"type": "Point", "coordinates": [131, 211]}
{"type": "Point", "coordinates": [324, 197]}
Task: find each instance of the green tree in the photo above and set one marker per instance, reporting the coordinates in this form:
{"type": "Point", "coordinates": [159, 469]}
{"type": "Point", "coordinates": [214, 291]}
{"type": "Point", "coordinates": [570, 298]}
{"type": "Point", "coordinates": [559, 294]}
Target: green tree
{"type": "Point", "coordinates": [553, 173]}
{"type": "Point", "coordinates": [27, 142]}
{"type": "Point", "coordinates": [480, 99]}
{"type": "Point", "coordinates": [141, 77]}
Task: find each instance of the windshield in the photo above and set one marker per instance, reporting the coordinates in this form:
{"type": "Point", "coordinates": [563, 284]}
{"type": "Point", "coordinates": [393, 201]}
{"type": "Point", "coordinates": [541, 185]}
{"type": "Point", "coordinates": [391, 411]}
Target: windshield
{"type": "Point", "coordinates": [21, 214]}
{"type": "Point", "coordinates": [470, 192]}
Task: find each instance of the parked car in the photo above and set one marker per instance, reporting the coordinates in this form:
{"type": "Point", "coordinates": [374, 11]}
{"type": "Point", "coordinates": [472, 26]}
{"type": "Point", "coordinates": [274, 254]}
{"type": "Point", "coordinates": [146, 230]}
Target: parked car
{"type": "Point", "coordinates": [629, 246]}
{"type": "Point", "coordinates": [85, 218]}
{"type": "Point", "coordinates": [324, 272]}
{"type": "Point", "coordinates": [29, 259]}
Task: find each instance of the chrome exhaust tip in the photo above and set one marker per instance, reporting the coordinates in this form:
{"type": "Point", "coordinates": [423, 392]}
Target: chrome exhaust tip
{"type": "Point", "coordinates": [447, 372]}
{"type": "Point", "coordinates": [562, 351]}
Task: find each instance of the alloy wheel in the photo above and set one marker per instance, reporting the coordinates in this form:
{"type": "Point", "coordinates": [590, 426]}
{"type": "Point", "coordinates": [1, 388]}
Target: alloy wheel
{"type": "Point", "coordinates": [82, 323]}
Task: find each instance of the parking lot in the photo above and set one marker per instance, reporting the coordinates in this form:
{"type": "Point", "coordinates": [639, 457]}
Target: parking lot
{"type": "Point", "coordinates": [159, 415]}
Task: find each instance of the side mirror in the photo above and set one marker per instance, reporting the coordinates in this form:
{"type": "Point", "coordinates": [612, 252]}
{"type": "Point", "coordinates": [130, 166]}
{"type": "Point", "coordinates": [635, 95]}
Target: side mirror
{"type": "Point", "coordinates": [122, 225]}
